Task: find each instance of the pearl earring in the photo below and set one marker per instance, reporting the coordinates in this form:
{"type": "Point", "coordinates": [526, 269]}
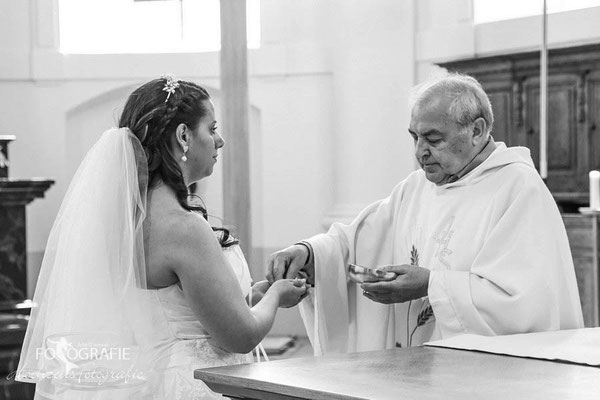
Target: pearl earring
{"type": "Point", "coordinates": [183, 157]}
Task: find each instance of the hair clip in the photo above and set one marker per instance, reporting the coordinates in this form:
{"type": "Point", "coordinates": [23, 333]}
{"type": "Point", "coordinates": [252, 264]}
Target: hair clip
{"type": "Point", "coordinates": [170, 86]}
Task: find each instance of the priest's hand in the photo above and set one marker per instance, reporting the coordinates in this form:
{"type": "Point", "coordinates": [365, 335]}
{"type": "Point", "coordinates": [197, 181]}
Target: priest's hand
{"type": "Point", "coordinates": [288, 262]}
{"type": "Point", "coordinates": [411, 283]}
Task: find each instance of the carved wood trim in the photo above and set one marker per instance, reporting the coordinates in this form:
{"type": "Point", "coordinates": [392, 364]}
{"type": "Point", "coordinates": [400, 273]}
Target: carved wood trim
{"type": "Point", "coordinates": [22, 191]}
{"type": "Point", "coordinates": [581, 96]}
{"type": "Point", "coordinates": [519, 101]}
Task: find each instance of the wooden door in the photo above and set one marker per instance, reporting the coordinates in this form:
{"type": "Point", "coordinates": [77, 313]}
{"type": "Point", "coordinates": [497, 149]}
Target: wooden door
{"type": "Point", "coordinates": [567, 156]}
{"type": "Point", "coordinates": [501, 97]}
{"type": "Point", "coordinates": [593, 119]}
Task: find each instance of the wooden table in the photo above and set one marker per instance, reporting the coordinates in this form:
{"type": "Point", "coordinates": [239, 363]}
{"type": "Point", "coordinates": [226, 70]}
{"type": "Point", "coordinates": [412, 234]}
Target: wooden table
{"type": "Point", "coordinates": [416, 373]}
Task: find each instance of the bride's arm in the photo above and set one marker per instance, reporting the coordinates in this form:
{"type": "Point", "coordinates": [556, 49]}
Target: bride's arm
{"type": "Point", "coordinates": [211, 288]}
{"type": "Point", "coordinates": [258, 291]}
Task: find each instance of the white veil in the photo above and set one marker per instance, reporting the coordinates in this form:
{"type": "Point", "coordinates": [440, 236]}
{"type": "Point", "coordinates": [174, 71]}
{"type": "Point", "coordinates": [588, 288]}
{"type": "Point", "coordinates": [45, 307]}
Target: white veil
{"type": "Point", "coordinates": [91, 312]}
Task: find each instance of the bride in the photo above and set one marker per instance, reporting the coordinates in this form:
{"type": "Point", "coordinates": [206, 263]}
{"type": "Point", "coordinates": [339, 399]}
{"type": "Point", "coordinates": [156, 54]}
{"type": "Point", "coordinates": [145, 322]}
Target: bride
{"type": "Point", "coordinates": [136, 288]}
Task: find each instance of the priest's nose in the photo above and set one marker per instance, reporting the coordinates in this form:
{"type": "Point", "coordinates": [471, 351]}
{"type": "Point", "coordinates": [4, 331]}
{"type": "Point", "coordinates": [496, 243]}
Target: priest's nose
{"type": "Point", "coordinates": [421, 149]}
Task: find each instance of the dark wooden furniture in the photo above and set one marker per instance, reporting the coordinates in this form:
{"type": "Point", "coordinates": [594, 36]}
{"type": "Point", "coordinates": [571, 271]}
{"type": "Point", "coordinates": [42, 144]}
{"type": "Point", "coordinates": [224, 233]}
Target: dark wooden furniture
{"type": "Point", "coordinates": [584, 237]}
{"type": "Point", "coordinates": [15, 194]}
{"type": "Point", "coordinates": [512, 83]}
{"type": "Point", "coordinates": [13, 324]}
{"type": "Point", "coordinates": [413, 373]}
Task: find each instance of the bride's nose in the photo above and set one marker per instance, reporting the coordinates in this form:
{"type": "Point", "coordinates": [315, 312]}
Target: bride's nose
{"type": "Point", "coordinates": [219, 141]}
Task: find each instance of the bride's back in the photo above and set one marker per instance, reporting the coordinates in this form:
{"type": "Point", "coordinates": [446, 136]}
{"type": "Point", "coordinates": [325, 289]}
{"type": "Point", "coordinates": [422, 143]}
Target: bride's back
{"type": "Point", "coordinates": [164, 219]}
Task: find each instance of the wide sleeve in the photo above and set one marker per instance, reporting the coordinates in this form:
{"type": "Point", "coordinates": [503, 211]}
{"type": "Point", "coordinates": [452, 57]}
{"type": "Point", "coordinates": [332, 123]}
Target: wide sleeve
{"type": "Point", "coordinates": [333, 307]}
{"type": "Point", "coordinates": [522, 279]}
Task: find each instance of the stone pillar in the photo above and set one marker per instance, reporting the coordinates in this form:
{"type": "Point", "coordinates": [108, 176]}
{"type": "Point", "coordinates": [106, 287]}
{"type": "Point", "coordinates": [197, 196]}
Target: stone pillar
{"type": "Point", "coordinates": [235, 105]}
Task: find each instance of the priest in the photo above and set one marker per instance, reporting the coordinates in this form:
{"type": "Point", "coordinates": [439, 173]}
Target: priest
{"type": "Point", "coordinates": [473, 239]}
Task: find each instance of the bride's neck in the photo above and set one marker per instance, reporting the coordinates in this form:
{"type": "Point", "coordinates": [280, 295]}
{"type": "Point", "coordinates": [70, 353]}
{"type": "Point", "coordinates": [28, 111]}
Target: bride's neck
{"type": "Point", "coordinates": [163, 194]}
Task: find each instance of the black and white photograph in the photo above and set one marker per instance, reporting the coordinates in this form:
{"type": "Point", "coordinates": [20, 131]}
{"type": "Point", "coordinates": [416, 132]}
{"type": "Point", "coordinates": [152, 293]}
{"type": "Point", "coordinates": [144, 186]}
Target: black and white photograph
{"type": "Point", "coordinates": [299, 199]}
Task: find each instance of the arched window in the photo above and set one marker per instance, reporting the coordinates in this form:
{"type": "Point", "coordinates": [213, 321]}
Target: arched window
{"type": "Point", "coordinates": [494, 10]}
{"type": "Point", "coordinates": [144, 26]}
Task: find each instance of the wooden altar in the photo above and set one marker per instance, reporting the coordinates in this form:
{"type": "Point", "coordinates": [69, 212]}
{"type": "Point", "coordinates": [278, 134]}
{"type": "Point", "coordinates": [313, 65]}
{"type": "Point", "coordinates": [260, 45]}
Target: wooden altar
{"type": "Point", "coordinates": [408, 373]}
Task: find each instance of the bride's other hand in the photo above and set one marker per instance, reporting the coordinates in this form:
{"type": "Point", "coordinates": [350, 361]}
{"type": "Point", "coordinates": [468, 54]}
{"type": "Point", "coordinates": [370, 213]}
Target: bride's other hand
{"type": "Point", "coordinates": [290, 291]}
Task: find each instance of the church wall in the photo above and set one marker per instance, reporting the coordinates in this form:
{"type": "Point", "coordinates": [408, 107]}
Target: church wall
{"type": "Point", "coordinates": [445, 31]}
{"type": "Point", "coordinates": [327, 137]}
{"type": "Point", "coordinates": [328, 93]}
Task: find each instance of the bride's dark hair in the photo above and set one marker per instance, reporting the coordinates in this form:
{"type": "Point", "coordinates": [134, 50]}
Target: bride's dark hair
{"type": "Point", "coordinates": [152, 115]}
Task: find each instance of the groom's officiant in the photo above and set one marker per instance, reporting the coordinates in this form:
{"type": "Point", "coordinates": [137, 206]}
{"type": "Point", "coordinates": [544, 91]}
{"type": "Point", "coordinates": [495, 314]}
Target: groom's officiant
{"type": "Point", "coordinates": [474, 239]}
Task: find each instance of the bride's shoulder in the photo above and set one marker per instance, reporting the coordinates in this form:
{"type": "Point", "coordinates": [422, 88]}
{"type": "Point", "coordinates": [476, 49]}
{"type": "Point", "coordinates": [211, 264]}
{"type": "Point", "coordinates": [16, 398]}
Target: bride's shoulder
{"type": "Point", "coordinates": [178, 241]}
{"type": "Point", "coordinates": [181, 225]}
{"type": "Point", "coordinates": [174, 241]}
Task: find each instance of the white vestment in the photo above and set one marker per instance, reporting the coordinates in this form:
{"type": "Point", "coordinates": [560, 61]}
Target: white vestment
{"type": "Point", "coordinates": [495, 244]}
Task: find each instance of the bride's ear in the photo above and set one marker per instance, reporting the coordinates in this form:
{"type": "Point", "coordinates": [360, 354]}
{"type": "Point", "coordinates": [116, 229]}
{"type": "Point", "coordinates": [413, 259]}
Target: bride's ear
{"type": "Point", "coordinates": [182, 136]}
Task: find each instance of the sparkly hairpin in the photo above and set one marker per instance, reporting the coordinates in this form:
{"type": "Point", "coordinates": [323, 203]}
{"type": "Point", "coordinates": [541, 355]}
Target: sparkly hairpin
{"type": "Point", "coordinates": [170, 86]}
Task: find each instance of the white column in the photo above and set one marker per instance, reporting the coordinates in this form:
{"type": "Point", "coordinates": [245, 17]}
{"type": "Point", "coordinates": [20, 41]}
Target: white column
{"type": "Point", "coordinates": [46, 59]}
{"type": "Point", "coordinates": [234, 87]}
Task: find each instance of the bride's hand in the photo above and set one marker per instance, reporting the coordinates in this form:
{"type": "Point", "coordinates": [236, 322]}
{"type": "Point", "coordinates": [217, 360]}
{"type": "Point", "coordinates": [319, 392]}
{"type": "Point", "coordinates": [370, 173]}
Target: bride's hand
{"type": "Point", "coordinates": [290, 291]}
{"type": "Point", "coordinates": [258, 291]}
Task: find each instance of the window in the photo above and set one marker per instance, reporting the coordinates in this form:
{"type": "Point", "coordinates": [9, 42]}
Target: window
{"type": "Point", "coordinates": [158, 26]}
{"type": "Point", "coordinates": [494, 10]}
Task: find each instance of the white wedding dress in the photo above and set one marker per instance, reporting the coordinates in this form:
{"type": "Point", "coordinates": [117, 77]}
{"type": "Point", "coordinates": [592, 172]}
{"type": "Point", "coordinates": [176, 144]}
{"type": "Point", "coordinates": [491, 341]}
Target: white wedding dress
{"type": "Point", "coordinates": [182, 345]}
{"type": "Point", "coordinates": [96, 330]}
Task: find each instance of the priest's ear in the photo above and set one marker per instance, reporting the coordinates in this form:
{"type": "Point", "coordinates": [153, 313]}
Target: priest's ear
{"type": "Point", "coordinates": [478, 131]}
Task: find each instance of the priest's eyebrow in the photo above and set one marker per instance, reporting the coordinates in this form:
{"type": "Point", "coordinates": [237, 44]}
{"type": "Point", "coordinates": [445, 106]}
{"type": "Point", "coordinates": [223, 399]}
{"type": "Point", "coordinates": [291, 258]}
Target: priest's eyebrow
{"type": "Point", "coordinates": [426, 133]}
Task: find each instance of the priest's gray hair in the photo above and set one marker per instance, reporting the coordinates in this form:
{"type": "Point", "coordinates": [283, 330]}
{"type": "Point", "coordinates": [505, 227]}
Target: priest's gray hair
{"type": "Point", "coordinates": [469, 100]}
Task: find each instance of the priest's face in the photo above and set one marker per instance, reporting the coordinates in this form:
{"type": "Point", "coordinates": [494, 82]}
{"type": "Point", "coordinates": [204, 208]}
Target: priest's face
{"type": "Point", "coordinates": [442, 146]}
